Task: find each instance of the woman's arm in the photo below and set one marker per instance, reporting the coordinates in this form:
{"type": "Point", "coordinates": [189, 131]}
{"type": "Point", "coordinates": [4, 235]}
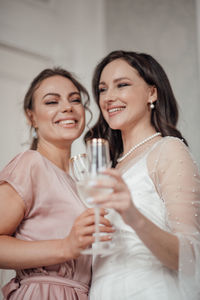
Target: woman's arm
{"type": "Point", "coordinates": [19, 254]}
{"type": "Point", "coordinates": [162, 244]}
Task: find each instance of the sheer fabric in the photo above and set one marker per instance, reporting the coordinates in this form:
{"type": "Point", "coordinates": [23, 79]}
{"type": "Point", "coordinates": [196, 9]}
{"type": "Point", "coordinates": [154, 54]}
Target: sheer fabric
{"type": "Point", "coordinates": [165, 186]}
{"type": "Point", "coordinates": [178, 182]}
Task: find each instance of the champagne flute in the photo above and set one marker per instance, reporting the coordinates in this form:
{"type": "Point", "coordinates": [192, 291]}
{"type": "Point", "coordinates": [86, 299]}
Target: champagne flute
{"type": "Point", "coordinates": [79, 170]}
{"type": "Point", "coordinates": [87, 170]}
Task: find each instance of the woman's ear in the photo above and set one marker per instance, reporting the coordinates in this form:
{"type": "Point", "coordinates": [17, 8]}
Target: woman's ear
{"type": "Point", "coordinates": [153, 95]}
{"type": "Point", "coordinates": [30, 118]}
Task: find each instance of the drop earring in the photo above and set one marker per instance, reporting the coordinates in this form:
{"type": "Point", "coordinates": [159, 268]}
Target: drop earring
{"type": "Point", "coordinates": [152, 106]}
{"type": "Point", "coordinates": [34, 133]}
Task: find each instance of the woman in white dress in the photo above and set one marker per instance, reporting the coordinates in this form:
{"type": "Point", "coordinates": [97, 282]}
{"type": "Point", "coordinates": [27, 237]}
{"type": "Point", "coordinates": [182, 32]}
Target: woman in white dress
{"type": "Point", "coordinates": [156, 189]}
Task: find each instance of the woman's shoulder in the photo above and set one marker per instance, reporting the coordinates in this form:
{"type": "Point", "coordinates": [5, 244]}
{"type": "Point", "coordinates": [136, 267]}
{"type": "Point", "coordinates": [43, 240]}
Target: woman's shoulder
{"type": "Point", "coordinates": [25, 159]}
{"type": "Point", "coordinates": [29, 155]}
{"type": "Point", "coordinates": [169, 149]}
{"type": "Point", "coordinates": [171, 145]}
{"type": "Point", "coordinates": [173, 150]}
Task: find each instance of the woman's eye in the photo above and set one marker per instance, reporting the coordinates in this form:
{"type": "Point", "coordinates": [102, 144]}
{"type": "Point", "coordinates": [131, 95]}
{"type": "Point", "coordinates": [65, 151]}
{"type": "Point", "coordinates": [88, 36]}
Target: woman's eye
{"type": "Point", "coordinates": [51, 102]}
{"type": "Point", "coordinates": [101, 90]}
{"type": "Point", "coordinates": [77, 100]}
{"type": "Point", "coordinates": [122, 84]}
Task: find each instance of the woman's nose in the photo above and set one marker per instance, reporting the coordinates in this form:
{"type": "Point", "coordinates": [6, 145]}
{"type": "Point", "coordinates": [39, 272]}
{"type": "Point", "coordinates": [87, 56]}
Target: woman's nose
{"type": "Point", "coordinates": [66, 107]}
{"type": "Point", "coordinates": [110, 96]}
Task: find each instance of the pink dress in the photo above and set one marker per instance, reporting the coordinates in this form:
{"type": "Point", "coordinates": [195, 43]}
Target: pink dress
{"type": "Point", "coordinates": [52, 205]}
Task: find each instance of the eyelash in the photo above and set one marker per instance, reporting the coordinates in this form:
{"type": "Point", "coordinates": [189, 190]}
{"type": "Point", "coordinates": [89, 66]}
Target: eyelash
{"type": "Point", "coordinates": [76, 100]}
{"type": "Point", "coordinates": [120, 85]}
{"type": "Point", "coordinates": [51, 102]}
{"type": "Point", "coordinates": [101, 90]}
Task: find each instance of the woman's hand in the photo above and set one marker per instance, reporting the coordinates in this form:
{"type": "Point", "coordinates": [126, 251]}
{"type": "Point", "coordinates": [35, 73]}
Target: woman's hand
{"type": "Point", "coordinates": [81, 235]}
{"type": "Point", "coordinates": [120, 199]}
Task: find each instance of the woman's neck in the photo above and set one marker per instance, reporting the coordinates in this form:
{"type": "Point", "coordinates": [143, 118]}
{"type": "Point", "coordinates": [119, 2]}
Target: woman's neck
{"type": "Point", "coordinates": [58, 155]}
{"type": "Point", "coordinates": [135, 136]}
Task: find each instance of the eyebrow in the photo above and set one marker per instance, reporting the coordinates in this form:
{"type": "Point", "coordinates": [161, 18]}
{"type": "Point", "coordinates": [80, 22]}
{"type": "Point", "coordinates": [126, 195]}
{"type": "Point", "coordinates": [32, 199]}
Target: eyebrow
{"type": "Point", "coordinates": [51, 94]}
{"type": "Point", "coordinates": [115, 80]}
{"type": "Point", "coordinates": [75, 93]}
{"type": "Point", "coordinates": [58, 95]}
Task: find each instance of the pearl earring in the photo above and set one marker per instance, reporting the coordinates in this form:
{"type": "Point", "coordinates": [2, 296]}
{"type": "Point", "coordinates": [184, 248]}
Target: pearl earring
{"type": "Point", "coordinates": [152, 105]}
{"type": "Point", "coordinates": [34, 134]}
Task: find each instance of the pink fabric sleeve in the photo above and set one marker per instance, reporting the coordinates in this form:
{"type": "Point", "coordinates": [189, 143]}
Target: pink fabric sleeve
{"type": "Point", "coordinates": [19, 173]}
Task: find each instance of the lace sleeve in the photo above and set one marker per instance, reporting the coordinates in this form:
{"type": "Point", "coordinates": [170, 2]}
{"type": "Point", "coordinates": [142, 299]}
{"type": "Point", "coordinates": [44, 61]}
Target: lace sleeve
{"type": "Point", "coordinates": [178, 182]}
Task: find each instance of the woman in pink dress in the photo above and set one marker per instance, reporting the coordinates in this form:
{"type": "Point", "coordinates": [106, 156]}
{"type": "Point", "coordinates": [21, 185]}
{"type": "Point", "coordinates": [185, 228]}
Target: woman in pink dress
{"type": "Point", "coordinates": [43, 224]}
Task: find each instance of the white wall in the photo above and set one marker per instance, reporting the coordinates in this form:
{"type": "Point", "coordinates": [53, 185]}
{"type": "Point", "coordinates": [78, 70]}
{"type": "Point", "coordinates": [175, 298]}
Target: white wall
{"type": "Point", "coordinates": [198, 35]}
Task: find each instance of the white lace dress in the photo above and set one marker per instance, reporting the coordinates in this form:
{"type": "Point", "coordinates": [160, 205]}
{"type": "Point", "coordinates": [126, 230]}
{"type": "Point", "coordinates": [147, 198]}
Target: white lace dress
{"type": "Point", "coordinates": [165, 187]}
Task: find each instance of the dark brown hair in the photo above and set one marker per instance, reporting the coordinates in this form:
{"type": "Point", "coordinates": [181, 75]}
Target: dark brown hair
{"type": "Point", "coordinates": [29, 97]}
{"type": "Point", "coordinates": [164, 116]}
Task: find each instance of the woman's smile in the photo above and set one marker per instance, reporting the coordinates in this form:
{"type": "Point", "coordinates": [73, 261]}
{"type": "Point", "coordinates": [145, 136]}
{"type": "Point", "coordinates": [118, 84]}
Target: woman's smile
{"type": "Point", "coordinates": [67, 122]}
{"type": "Point", "coordinates": [115, 110]}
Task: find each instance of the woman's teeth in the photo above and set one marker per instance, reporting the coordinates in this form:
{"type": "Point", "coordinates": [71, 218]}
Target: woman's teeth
{"type": "Point", "coordinates": [115, 109]}
{"type": "Point", "coordinates": [64, 122]}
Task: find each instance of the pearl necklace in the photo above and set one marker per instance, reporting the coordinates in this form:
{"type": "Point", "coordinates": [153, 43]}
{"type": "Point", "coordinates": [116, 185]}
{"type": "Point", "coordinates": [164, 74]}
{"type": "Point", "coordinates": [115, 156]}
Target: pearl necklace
{"type": "Point", "coordinates": [138, 145]}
